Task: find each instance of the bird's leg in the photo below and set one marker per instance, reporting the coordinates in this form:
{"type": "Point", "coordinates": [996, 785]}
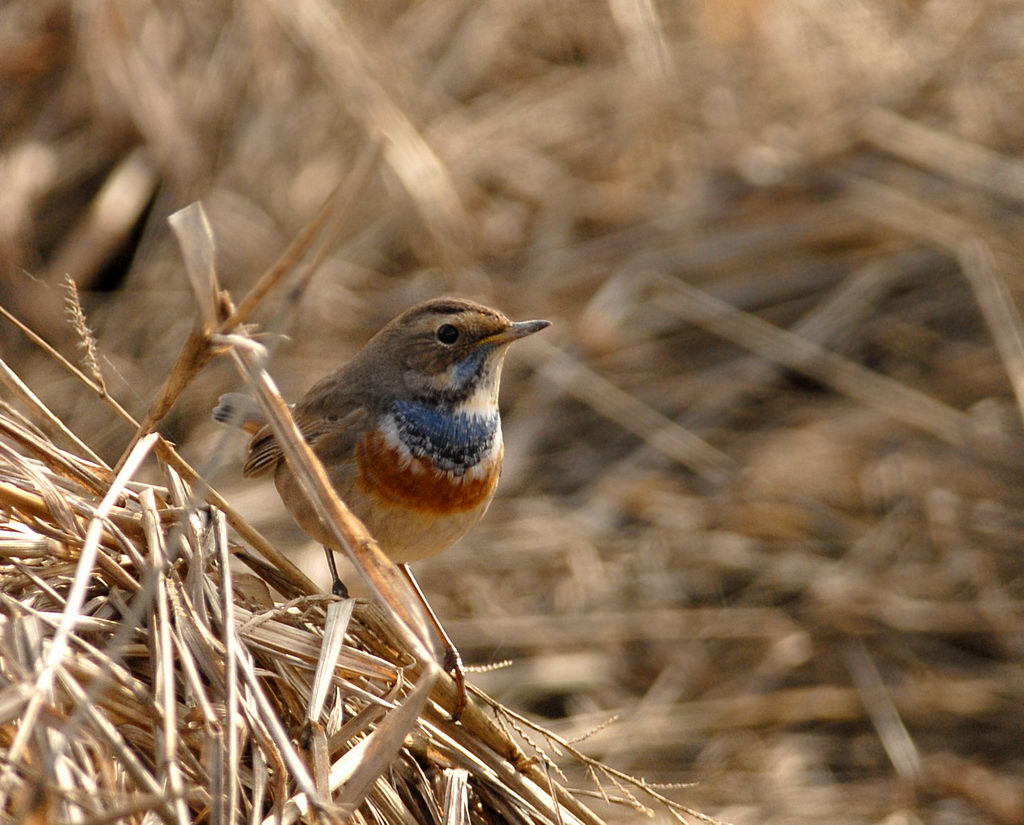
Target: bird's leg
{"type": "Point", "coordinates": [337, 585]}
{"type": "Point", "coordinates": [452, 660]}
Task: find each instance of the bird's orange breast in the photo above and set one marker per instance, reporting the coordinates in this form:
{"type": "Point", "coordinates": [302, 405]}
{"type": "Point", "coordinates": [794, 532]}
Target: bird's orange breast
{"type": "Point", "coordinates": [414, 483]}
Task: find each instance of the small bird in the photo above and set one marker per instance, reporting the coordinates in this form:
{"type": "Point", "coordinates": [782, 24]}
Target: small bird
{"type": "Point", "coordinates": [408, 432]}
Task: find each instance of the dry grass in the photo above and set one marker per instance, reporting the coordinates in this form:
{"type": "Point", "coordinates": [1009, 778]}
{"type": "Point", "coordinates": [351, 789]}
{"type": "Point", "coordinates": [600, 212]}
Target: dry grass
{"type": "Point", "coordinates": [143, 676]}
{"type": "Point", "coordinates": [762, 499]}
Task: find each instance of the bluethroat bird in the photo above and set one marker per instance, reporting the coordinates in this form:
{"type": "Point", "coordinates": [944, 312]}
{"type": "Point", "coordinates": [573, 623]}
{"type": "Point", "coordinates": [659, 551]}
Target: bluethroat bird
{"type": "Point", "coordinates": [408, 432]}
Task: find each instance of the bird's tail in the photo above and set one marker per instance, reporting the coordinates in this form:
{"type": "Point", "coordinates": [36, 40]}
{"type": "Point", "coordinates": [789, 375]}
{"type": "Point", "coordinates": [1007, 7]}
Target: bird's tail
{"type": "Point", "coordinates": [236, 409]}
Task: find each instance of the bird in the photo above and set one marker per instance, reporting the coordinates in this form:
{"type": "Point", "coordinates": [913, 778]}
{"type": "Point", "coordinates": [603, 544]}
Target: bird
{"type": "Point", "coordinates": [408, 432]}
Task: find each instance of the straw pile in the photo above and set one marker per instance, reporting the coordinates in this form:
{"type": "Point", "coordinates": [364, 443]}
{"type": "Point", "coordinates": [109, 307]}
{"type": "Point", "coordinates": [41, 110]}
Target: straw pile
{"type": "Point", "coordinates": [762, 497]}
{"type": "Point", "coordinates": [144, 677]}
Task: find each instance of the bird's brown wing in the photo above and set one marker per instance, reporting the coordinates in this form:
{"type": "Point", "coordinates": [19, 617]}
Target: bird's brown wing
{"type": "Point", "coordinates": [335, 432]}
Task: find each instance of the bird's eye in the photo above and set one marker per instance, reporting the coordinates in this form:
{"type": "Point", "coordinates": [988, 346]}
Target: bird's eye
{"type": "Point", "coordinates": [447, 334]}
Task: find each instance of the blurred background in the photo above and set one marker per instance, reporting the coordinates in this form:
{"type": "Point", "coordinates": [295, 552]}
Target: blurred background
{"type": "Point", "coordinates": [763, 486]}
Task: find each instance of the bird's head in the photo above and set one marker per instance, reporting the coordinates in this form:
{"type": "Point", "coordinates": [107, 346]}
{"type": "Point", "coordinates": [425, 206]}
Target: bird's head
{"type": "Point", "coordinates": [449, 350]}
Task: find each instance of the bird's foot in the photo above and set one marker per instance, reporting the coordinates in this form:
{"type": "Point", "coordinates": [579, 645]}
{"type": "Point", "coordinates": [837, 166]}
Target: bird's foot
{"type": "Point", "coordinates": [337, 585]}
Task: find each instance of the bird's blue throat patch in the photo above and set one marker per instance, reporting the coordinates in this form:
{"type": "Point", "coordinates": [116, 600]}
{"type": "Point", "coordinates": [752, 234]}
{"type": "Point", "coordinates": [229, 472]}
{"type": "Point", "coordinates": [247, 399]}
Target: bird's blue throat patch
{"type": "Point", "coordinates": [469, 370]}
{"type": "Point", "coordinates": [453, 442]}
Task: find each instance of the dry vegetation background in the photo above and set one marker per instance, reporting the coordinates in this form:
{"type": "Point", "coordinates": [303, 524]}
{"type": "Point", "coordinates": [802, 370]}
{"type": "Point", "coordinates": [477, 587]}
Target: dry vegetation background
{"type": "Point", "coordinates": [763, 486]}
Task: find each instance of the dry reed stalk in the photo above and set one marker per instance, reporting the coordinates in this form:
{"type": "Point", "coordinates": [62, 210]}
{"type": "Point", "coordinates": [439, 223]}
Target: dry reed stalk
{"type": "Point", "coordinates": [795, 352]}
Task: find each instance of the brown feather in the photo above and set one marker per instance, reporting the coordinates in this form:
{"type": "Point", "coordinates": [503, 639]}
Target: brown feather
{"type": "Point", "coordinates": [319, 432]}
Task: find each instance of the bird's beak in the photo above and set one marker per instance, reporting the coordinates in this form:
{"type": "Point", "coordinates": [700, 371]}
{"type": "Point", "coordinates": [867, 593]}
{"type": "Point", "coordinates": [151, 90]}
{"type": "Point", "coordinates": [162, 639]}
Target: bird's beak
{"type": "Point", "coordinates": [515, 331]}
